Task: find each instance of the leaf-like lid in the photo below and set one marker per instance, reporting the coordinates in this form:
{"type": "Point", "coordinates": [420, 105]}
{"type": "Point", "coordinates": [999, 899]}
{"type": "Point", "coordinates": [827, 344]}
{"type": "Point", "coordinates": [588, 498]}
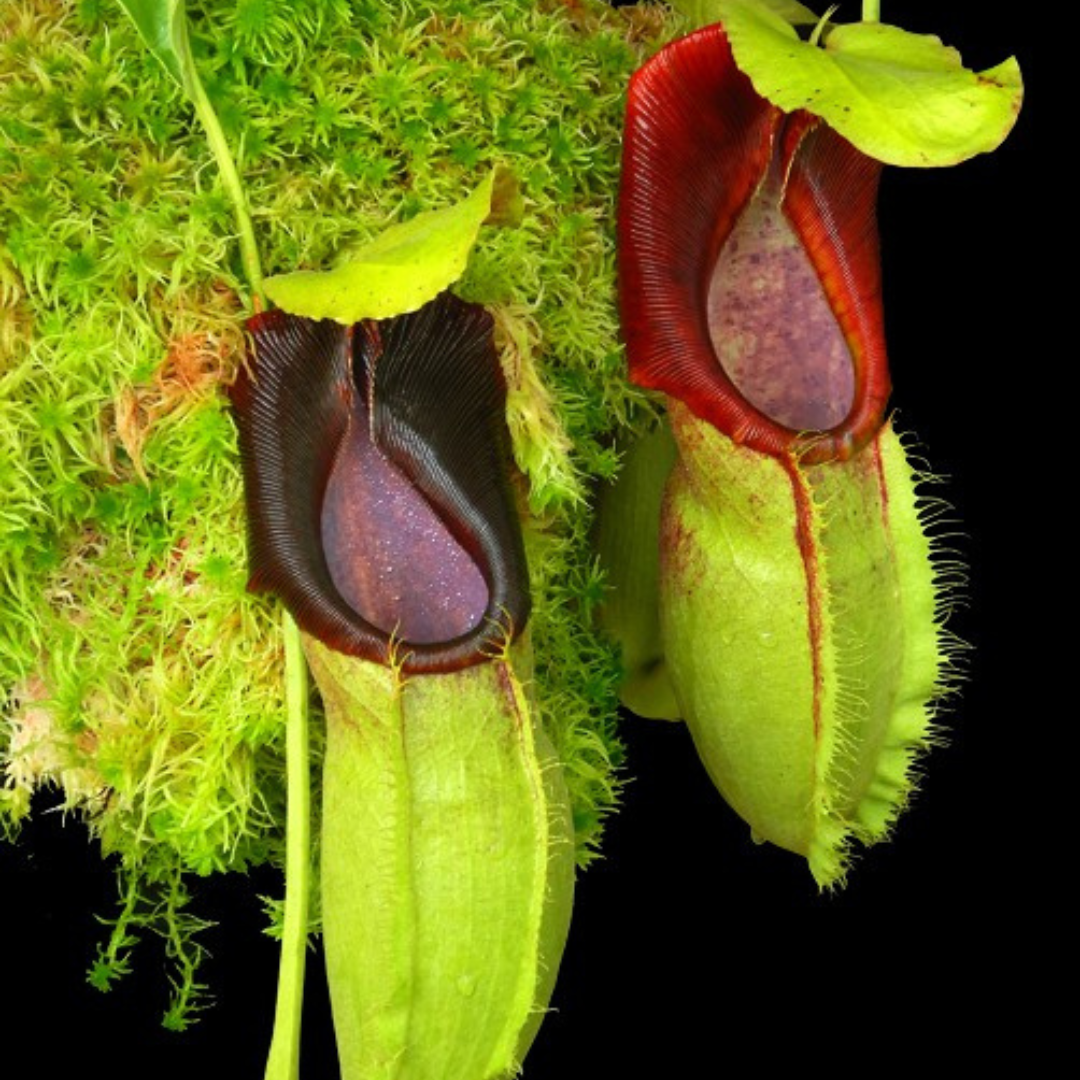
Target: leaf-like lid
{"type": "Point", "coordinates": [401, 269]}
{"type": "Point", "coordinates": [902, 98]}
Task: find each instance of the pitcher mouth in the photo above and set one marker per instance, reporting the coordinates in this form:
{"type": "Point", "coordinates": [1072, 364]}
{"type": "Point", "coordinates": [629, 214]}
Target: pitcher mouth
{"type": "Point", "coordinates": [376, 464]}
{"type": "Point", "coordinates": [750, 285]}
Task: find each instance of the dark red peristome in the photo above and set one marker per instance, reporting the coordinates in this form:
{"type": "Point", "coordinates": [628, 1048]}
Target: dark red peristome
{"type": "Point", "coordinates": [699, 145]}
{"type": "Point", "coordinates": [376, 463]}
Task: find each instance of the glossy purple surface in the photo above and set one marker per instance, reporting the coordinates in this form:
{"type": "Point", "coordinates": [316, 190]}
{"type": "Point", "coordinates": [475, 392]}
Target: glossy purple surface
{"type": "Point", "coordinates": [771, 324]}
{"type": "Point", "coordinates": [395, 563]}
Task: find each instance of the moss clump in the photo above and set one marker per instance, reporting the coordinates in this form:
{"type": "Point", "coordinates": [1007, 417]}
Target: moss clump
{"type": "Point", "coordinates": [135, 670]}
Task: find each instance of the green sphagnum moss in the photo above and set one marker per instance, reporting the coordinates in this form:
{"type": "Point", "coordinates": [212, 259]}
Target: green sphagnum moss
{"type": "Point", "coordinates": [136, 673]}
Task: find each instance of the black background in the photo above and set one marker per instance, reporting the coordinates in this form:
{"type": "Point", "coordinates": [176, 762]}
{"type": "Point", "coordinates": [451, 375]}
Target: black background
{"type": "Point", "coordinates": [691, 948]}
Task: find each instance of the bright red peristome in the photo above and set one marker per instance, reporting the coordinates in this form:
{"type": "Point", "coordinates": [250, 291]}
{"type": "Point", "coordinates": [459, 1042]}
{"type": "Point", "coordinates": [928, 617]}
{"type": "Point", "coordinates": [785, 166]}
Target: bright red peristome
{"type": "Point", "coordinates": [699, 143]}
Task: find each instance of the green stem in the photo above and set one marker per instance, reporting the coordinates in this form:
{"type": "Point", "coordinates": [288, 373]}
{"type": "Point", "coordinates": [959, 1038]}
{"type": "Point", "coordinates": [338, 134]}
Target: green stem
{"type": "Point", "coordinates": [283, 1062]}
{"type": "Point", "coordinates": [215, 135]}
{"type": "Point", "coordinates": [871, 10]}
